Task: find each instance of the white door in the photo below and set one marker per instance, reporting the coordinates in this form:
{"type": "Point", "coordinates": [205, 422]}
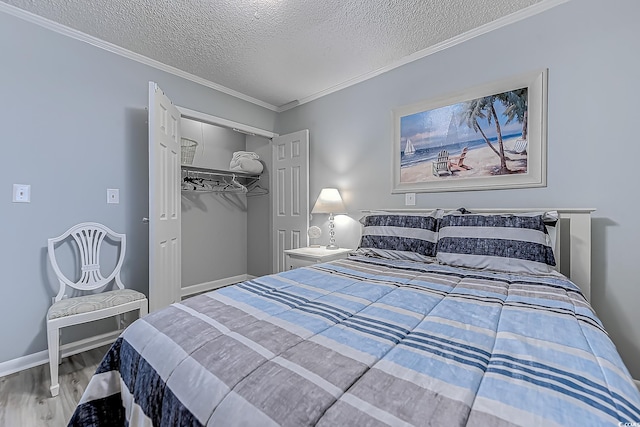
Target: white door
{"type": "Point", "coordinates": [164, 200]}
{"type": "Point", "coordinates": [290, 189]}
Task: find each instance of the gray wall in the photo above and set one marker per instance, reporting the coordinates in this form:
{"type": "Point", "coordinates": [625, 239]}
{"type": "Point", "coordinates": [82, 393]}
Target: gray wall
{"type": "Point", "coordinates": [73, 124]}
{"type": "Point", "coordinates": [259, 214]}
{"type": "Point", "coordinates": [214, 225]}
{"type": "Point", "coordinates": [591, 50]}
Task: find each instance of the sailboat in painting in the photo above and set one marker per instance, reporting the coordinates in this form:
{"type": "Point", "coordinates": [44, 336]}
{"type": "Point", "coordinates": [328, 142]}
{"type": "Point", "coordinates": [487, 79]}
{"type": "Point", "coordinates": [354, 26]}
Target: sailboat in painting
{"type": "Point", "coordinates": [409, 149]}
{"type": "Point", "coordinates": [452, 133]}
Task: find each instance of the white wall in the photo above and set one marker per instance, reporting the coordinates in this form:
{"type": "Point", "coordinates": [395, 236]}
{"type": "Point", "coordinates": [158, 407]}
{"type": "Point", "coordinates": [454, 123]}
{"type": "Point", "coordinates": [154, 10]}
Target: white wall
{"type": "Point", "coordinates": [73, 124]}
{"type": "Point", "coordinates": [591, 50]}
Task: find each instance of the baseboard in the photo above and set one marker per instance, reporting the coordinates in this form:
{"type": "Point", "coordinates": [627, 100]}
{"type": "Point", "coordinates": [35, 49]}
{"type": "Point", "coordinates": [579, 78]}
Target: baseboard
{"type": "Point", "coordinates": [215, 284]}
{"type": "Point", "coordinates": [40, 358]}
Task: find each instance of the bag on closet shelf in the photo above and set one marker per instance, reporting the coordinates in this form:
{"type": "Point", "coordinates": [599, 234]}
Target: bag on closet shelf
{"type": "Point", "coordinates": [246, 161]}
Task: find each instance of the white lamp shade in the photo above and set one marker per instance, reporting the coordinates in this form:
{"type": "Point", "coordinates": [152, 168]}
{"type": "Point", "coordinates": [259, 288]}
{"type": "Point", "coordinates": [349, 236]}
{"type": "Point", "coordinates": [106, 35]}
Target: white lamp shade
{"type": "Point", "coordinates": [329, 201]}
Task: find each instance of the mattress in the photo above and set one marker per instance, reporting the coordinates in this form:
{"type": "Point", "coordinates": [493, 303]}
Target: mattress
{"type": "Point", "coordinates": [367, 341]}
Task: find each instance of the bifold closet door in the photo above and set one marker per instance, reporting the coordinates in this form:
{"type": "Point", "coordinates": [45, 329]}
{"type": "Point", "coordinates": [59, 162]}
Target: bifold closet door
{"type": "Point", "coordinates": [290, 194]}
{"type": "Point", "coordinates": [164, 200]}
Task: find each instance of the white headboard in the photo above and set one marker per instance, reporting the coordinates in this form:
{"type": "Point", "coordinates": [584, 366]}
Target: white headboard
{"type": "Point", "coordinates": [573, 240]}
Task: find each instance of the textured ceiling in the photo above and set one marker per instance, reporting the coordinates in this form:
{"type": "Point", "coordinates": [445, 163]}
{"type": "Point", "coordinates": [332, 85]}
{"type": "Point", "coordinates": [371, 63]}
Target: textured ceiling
{"type": "Point", "coordinates": [275, 51]}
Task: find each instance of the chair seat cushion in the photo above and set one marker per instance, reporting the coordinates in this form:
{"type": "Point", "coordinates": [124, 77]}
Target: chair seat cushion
{"type": "Point", "coordinates": [88, 303]}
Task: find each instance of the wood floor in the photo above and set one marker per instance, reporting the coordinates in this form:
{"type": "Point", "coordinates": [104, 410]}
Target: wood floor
{"type": "Point", "coordinates": [25, 400]}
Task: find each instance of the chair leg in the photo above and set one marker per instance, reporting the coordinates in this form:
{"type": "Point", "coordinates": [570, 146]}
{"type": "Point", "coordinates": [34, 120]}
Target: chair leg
{"type": "Point", "coordinates": [53, 338]}
{"type": "Point", "coordinates": [59, 347]}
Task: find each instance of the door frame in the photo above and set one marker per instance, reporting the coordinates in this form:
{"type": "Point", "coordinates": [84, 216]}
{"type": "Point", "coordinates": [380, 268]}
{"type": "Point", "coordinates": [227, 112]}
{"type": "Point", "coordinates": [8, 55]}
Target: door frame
{"type": "Point", "coordinates": [219, 121]}
{"type": "Point", "coordinates": [242, 128]}
{"type": "Point", "coordinates": [204, 118]}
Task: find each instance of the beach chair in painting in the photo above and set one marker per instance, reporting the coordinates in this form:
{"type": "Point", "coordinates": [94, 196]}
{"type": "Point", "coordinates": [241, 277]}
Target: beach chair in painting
{"type": "Point", "coordinates": [441, 164]}
{"type": "Point", "coordinates": [456, 163]}
{"type": "Point", "coordinates": [520, 147]}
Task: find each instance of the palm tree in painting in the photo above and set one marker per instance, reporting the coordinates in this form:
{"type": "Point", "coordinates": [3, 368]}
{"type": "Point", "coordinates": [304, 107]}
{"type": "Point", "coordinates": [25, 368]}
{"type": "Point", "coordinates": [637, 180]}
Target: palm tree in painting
{"type": "Point", "coordinates": [484, 108]}
{"type": "Point", "coordinates": [515, 102]}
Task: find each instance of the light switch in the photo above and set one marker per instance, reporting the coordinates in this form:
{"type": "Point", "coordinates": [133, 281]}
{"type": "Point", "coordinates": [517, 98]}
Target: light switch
{"type": "Point", "coordinates": [21, 193]}
{"type": "Point", "coordinates": [113, 195]}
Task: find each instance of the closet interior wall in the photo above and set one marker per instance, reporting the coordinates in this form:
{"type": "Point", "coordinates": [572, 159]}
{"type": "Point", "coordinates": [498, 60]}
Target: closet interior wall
{"type": "Point", "coordinates": [259, 261]}
{"type": "Point", "coordinates": [215, 237]}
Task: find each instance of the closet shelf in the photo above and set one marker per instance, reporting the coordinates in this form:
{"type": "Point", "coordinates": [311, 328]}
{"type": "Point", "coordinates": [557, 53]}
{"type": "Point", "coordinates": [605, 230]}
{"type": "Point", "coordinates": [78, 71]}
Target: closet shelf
{"type": "Point", "coordinates": [205, 180]}
{"type": "Point", "coordinates": [219, 172]}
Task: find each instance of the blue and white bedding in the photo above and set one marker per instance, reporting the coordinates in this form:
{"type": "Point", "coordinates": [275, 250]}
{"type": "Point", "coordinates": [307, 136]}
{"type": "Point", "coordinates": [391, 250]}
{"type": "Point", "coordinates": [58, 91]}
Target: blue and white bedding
{"type": "Point", "coordinates": [367, 341]}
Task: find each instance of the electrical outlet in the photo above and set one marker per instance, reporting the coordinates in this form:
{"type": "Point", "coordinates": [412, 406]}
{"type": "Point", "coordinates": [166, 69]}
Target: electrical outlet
{"type": "Point", "coordinates": [410, 199]}
{"type": "Point", "coordinates": [21, 193]}
{"type": "Point", "coordinates": [113, 195]}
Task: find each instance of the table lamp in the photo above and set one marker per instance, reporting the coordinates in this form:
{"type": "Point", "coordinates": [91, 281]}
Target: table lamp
{"type": "Point", "coordinates": [329, 201]}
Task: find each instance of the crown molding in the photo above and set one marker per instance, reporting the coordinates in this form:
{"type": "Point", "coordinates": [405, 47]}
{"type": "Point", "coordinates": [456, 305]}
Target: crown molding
{"type": "Point", "coordinates": [532, 10]}
{"type": "Point", "coordinates": [110, 47]}
{"type": "Point", "coordinates": [525, 13]}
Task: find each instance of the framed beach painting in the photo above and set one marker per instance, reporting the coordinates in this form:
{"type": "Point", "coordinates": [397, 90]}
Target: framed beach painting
{"type": "Point", "coordinates": [485, 138]}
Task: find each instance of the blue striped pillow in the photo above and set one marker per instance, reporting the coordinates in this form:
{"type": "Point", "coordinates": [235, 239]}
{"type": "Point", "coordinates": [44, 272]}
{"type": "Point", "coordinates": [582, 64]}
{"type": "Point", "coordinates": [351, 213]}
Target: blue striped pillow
{"type": "Point", "coordinates": [400, 236]}
{"type": "Point", "coordinates": [513, 243]}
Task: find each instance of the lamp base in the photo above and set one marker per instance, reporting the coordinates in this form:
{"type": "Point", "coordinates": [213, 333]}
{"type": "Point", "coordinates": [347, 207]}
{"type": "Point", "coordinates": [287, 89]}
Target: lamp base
{"type": "Point", "coordinates": [332, 234]}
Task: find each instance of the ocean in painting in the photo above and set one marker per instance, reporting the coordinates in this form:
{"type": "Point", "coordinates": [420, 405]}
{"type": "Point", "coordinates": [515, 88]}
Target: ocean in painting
{"type": "Point", "coordinates": [430, 153]}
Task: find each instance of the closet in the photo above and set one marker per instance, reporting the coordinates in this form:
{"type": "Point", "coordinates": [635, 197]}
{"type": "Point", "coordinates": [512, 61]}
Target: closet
{"type": "Point", "coordinates": [209, 226]}
{"type": "Point", "coordinates": [217, 206]}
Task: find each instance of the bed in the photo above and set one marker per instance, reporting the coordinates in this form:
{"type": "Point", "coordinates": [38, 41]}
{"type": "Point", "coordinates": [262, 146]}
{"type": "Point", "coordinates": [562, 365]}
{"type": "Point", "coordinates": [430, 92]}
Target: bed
{"type": "Point", "coordinates": [439, 318]}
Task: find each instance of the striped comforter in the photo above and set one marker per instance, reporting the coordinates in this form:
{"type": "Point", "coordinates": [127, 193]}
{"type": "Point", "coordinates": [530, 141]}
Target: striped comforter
{"type": "Point", "coordinates": [367, 341]}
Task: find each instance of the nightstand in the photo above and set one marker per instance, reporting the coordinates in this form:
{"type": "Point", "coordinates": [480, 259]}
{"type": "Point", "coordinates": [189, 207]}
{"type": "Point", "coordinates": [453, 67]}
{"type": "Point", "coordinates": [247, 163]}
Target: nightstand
{"type": "Point", "coordinates": [303, 257]}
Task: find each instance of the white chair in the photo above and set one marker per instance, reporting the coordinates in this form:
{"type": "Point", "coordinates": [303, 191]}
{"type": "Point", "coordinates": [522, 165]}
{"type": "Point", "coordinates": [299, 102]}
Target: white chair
{"type": "Point", "coordinates": [89, 237]}
{"type": "Point", "coordinates": [441, 165]}
{"type": "Point", "coordinates": [520, 146]}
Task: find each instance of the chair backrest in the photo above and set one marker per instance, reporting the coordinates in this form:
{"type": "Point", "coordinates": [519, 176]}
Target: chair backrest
{"type": "Point", "coordinates": [520, 146]}
{"type": "Point", "coordinates": [442, 164]}
{"type": "Point", "coordinates": [89, 237]}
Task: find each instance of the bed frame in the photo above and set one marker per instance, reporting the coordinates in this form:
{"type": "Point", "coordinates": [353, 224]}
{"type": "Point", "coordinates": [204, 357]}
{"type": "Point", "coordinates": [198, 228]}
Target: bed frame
{"type": "Point", "coordinates": [572, 240]}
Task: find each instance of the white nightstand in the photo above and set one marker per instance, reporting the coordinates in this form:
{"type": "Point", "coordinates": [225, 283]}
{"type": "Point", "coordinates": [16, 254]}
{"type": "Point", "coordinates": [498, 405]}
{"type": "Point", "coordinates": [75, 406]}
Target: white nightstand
{"type": "Point", "coordinates": [303, 257]}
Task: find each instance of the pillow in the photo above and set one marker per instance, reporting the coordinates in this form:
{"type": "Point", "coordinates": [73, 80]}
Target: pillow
{"type": "Point", "coordinates": [512, 243]}
{"type": "Point", "coordinates": [400, 236]}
